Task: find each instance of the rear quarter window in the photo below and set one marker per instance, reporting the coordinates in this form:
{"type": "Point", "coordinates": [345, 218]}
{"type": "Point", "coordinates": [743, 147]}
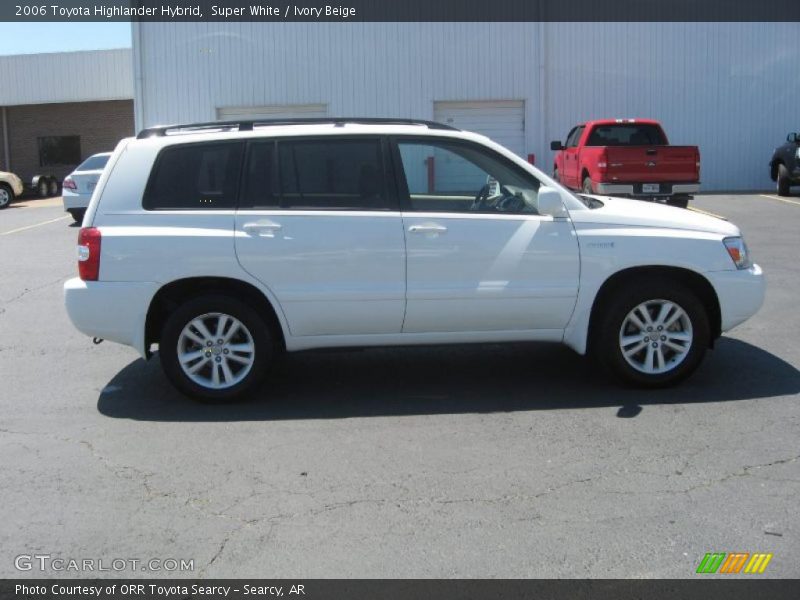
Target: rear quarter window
{"type": "Point", "coordinates": [195, 177]}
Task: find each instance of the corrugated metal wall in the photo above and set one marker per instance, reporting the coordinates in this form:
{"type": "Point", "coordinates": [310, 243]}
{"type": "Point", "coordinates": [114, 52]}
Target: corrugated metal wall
{"type": "Point", "coordinates": [731, 88]}
{"type": "Point", "coordinates": [66, 77]}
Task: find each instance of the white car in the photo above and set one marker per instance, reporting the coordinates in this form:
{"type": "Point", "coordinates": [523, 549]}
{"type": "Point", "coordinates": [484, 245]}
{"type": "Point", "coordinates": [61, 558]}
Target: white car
{"type": "Point", "coordinates": [226, 243]}
{"type": "Point", "coordinates": [78, 186]}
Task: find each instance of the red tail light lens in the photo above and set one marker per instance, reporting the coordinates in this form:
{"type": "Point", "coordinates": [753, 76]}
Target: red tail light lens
{"type": "Point", "coordinates": [69, 184]}
{"type": "Point", "coordinates": [602, 162]}
{"type": "Point", "coordinates": [89, 253]}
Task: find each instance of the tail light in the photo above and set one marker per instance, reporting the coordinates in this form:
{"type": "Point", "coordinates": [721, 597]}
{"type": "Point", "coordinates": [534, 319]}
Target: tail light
{"type": "Point", "coordinates": [69, 184]}
{"type": "Point", "coordinates": [602, 162]}
{"type": "Point", "coordinates": [89, 253]}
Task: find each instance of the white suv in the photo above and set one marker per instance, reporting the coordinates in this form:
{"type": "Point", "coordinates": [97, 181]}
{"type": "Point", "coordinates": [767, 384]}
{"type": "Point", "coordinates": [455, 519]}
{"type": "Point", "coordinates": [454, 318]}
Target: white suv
{"type": "Point", "coordinates": [225, 243]}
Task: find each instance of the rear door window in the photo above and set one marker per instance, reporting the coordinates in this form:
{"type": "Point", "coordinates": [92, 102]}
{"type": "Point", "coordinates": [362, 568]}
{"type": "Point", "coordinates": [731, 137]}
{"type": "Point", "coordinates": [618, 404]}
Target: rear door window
{"type": "Point", "coordinates": [333, 174]}
{"type": "Point", "coordinates": [195, 176]}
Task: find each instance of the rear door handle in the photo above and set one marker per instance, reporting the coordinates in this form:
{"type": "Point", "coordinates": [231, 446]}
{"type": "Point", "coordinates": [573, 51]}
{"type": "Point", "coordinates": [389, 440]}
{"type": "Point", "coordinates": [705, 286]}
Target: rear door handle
{"type": "Point", "coordinates": [262, 228]}
{"type": "Point", "coordinates": [427, 228]}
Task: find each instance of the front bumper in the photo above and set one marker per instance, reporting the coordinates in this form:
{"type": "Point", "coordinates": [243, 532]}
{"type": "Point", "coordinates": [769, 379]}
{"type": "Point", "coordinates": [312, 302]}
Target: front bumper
{"type": "Point", "coordinates": [111, 310]}
{"type": "Point", "coordinates": [740, 294]}
{"type": "Point", "coordinates": [635, 189]}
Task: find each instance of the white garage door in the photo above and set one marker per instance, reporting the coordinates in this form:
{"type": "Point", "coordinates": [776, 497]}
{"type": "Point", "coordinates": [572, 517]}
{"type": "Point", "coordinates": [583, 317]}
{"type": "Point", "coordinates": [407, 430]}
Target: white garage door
{"type": "Point", "coordinates": [503, 121]}
{"type": "Point", "coordinates": [284, 111]}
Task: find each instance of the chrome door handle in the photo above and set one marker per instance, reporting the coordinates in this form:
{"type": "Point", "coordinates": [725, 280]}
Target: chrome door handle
{"type": "Point", "coordinates": [427, 229]}
{"type": "Point", "coordinates": [262, 228]}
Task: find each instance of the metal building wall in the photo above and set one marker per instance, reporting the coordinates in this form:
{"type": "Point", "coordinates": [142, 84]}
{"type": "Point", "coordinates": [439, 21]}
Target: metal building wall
{"type": "Point", "coordinates": [730, 88]}
{"type": "Point", "coordinates": [66, 77]}
{"type": "Point", "coordinates": [185, 71]}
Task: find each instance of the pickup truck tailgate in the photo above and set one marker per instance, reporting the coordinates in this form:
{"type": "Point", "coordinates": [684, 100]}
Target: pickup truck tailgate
{"type": "Point", "coordinates": [643, 164]}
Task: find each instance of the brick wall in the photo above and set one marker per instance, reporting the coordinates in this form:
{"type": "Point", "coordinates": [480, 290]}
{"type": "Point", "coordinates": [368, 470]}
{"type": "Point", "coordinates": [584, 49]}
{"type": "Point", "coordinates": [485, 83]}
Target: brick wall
{"type": "Point", "coordinates": [100, 126]}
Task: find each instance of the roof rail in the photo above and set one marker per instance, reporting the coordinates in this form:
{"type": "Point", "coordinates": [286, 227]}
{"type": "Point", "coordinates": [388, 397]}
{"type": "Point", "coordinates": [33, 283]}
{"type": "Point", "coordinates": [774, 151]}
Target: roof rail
{"type": "Point", "coordinates": [249, 124]}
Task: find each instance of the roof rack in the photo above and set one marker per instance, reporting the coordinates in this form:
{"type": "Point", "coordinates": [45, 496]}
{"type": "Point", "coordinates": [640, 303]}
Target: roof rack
{"type": "Point", "coordinates": [249, 124]}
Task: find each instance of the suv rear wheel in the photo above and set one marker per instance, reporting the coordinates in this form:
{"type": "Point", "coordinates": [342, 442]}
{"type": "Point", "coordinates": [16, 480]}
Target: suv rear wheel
{"type": "Point", "coordinates": [652, 334]}
{"type": "Point", "coordinates": [215, 348]}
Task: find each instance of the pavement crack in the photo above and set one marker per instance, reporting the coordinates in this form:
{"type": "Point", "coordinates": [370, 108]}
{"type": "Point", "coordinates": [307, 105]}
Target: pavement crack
{"type": "Point", "coordinates": [27, 291]}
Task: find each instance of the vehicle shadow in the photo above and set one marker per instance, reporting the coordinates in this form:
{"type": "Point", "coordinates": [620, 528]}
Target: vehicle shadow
{"type": "Point", "coordinates": [446, 380]}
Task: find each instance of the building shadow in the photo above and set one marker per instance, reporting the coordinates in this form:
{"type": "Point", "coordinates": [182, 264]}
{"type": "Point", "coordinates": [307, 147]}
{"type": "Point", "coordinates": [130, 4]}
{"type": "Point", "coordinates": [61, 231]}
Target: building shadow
{"type": "Point", "coordinates": [446, 380]}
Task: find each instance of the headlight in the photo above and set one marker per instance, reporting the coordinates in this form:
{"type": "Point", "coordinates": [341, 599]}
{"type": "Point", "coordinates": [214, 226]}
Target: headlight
{"type": "Point", "coordinates": [797, 152]}
{"type": "Point", "coordinates": [738, 252]}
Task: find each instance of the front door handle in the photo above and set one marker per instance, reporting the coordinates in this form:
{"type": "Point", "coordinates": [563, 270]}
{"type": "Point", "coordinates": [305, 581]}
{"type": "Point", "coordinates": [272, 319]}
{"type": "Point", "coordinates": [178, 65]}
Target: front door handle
{"type": "Point", "coordinates": [427, 228]}
{"type": "Point", "coordinates": [262, 228]}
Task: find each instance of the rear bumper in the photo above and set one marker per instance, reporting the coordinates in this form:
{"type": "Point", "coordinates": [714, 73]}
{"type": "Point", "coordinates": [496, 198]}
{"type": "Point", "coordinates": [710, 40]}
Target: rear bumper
{"type": "Point", "coordinates": [635, 189]}
{"type": "Point", "coordinates": [111, 310]}
{"type": "Point", "coordinates": [740, 294]}
{"type": "Point", "coordinates": [72, 200]}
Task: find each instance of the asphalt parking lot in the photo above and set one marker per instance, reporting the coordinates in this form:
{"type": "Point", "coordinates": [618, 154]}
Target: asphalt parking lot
{"type": "Point", "coordinates": [485, 461]}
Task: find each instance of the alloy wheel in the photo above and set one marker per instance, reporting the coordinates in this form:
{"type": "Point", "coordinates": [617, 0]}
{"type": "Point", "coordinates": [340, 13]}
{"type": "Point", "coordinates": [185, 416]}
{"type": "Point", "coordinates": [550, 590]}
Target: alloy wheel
{"type": "Point", "coordinates": [216, 350]}
{"type": "Point", "coordinates": [656, 336]}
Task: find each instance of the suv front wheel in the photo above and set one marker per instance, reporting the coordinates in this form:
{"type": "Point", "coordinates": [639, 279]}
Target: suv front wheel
{"type": "Point", "coordinates": [215, 348]}
{"type": "Point", "coordinates": [653, 334]}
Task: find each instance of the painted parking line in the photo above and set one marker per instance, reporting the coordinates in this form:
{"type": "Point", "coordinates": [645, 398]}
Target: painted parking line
{"type": "Point", "coordinates": [705, 212]}
{"type": "Point", "coordinates": [18, 229]}
{"type": "Point", "coordinates": [779, 199]}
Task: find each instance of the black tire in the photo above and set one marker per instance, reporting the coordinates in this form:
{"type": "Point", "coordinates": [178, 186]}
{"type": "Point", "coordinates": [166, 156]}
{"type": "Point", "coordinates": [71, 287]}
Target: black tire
{"type": "Point", "coordinates": [555, 174]}
{"type": "Point", "coordinates": [263, 340]}
{"type": "Point", "coordinates": [587, 186]}
{"type": "Point", "coordinates": [53, 187]}
{"type": "Point", "coordinates": [42, 188]}
{"type": "Point", "coordinates": [783, 182]}
{"type": "Point", "coordinates": [606, 344]}
{"type": "Point", "coordinates": [77, 214]}
{"type": "Point", "coordinates": [678, 201]}
{"type": "Point", "coordinates": [6, 196]}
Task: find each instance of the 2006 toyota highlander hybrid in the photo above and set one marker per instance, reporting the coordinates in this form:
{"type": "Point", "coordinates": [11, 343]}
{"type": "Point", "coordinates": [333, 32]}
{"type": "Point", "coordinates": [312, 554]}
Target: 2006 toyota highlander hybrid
{"type": "Point", "coordinates": [225, 243]}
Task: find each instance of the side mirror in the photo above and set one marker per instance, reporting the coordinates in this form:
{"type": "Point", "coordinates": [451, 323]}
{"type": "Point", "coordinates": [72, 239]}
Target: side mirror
{"type": "Point", "coordinates": [556, 145]}
{"type": "Point", "coordinates": [792, 137]}
{"type": "Point", "coordinates": [549, 202]}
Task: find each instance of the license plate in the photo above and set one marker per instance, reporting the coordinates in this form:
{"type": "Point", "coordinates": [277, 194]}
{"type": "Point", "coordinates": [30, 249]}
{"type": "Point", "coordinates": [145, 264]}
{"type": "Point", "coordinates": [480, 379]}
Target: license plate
{"type": "Point", "coordinates": [651, 188]}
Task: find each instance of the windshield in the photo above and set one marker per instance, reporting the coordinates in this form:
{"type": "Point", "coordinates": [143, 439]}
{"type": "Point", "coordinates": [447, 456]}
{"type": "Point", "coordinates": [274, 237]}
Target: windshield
{"type": "Point", "coordinates": [94, 163]}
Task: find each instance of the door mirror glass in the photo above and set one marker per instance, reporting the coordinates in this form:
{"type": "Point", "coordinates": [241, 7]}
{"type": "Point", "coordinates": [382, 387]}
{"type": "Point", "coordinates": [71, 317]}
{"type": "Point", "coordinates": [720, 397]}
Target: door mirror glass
{"type": "Point", "coordinates": [550, 202]}
{"type": "Point", "coordinates": [556, 145]}
{"type": "Point", "coordinates": [793, 137]}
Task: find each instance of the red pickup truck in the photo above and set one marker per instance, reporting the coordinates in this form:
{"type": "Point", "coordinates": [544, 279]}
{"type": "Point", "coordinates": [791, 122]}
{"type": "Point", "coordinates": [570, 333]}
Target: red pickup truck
{"type": "Point", "coordinates": [627, 157]}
